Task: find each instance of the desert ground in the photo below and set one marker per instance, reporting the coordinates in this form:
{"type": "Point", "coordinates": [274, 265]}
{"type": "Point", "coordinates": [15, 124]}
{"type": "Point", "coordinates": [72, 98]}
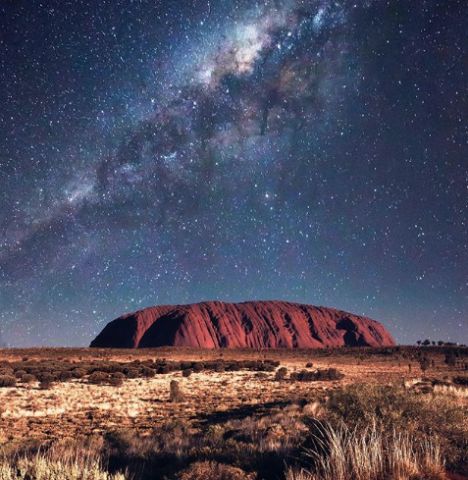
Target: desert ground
{"type": "Point", "coordinates": [388, 413]}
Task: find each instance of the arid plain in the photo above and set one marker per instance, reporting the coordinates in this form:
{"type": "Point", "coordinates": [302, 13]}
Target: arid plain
{"type": "Point", "coordinates": [396, 413]}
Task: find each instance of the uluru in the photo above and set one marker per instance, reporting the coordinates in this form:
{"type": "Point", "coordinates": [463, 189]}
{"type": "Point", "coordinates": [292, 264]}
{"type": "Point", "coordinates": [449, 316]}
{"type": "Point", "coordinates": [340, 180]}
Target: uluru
{"type": "Point", "coordinates": [253, 324]}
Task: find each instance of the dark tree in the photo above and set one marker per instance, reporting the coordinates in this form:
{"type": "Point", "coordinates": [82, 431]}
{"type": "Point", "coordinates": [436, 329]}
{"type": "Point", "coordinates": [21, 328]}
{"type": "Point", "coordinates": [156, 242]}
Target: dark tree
{"type": "Point", "coordinates": [450, 359]}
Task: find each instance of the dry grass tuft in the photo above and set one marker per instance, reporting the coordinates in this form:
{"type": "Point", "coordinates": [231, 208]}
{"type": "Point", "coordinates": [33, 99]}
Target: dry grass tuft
{"type": "Point", "coordinates": [44, 467]}
{"type": "Point", "coordinates": [369, 454]}
{"type": "Point", "coordinates": [451, 390]}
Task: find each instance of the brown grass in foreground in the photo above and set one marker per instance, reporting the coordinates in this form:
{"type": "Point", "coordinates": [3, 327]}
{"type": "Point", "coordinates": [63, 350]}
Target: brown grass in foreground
{"type": "Point", "coordinates": [234, 416]}
{"type": "Point", "coordinates": [41, 467]}
{"type": "Point", "coordinates": [371, 455]}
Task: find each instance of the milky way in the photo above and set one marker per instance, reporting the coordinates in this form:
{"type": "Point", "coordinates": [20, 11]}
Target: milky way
{"type": "Point", "coordinates": [173, 152]}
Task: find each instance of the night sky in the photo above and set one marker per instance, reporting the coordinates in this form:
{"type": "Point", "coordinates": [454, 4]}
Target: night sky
{"type": "Point", "coordinates": [177, 151]}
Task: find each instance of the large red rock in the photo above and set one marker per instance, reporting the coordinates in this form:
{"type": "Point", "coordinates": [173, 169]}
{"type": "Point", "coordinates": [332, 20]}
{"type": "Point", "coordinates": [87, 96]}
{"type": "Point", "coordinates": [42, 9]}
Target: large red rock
{"type": "Point", "coordinates": [258, 324]}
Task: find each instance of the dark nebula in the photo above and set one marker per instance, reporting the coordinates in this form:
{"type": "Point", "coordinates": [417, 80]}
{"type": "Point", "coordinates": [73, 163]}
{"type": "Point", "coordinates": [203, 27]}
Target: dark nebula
{"type": "Point", "coordinates": [172, 152]}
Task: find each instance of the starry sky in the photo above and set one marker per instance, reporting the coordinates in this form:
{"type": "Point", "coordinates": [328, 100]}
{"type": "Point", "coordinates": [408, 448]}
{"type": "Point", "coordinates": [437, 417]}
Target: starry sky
{"type": "Point", "coordinates": [162, 151]}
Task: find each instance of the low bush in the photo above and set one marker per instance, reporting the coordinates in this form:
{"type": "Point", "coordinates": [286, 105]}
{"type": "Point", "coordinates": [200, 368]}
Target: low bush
{"type": "Point", "coordinates": [267, 366]}
{"type": "Point", "coordinates": [7, 381]}
{"type": "Point", "coordinates": [46, 377]}
{"type": "Point", "coordinates": [131, 373]}
{"type": "Point", "coordinates": [461, 380]}
{"type": "Point", "coordinates": [198, 366]}
{"type": "Point", "coordinates": [219, 366]}
{"type": "Point", "coordinates": [28, 378]}
{"type": "Point", "coordinates": [65, 376]}
{"type": "Point", "coordinates": [214, 471]}
{"type": "Point", "coordinates": [116, 381]}
{"type": "Point", "coordinates": [328, 374]}
{"type": "Point", "coordinates": [78, 373]}
{"type": "Point", "coordinates": [147, 372]}
{"type": "Point", "coordinates": [98, 378]}
{"type": "Point", "coordinates": [303, 376]}
{"type": "Point", "coordinates": [46, 384]}
{"type": "Point", "coordinates": [281, 374]}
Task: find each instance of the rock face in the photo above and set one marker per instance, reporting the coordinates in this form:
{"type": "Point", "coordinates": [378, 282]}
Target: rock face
{"type": "Point", "coordinates": [257, 324]}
